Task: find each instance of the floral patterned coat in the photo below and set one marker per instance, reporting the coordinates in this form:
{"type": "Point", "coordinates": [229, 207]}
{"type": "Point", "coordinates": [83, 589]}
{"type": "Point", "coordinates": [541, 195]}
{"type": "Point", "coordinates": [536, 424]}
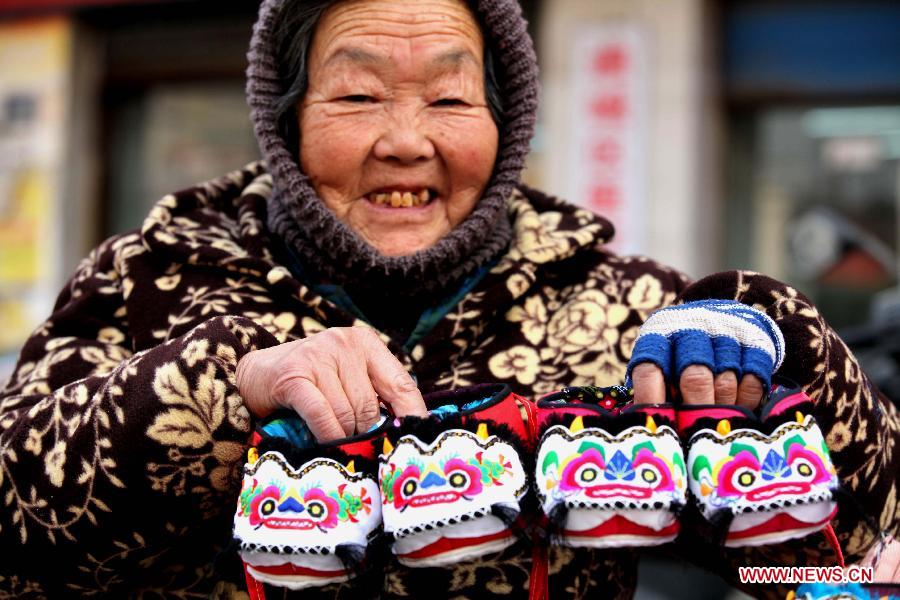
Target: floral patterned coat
{"type": "Point", "coordinates": [123, 433]}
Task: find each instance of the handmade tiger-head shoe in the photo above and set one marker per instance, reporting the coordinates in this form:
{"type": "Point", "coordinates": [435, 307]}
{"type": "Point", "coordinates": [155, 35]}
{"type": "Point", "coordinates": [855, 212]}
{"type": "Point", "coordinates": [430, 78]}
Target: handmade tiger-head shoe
{"type": "Point", "coordinates": [452, 484]}
{"type": "Point", "coordinates": [760, 479]}
{"type": "Point", "coordinates": [608, 473]}
{"type": "Point", "coordinates": [307, 513]}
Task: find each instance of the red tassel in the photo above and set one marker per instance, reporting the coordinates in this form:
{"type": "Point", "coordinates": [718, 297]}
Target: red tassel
{"type": "Point", "coordinates": [833, 542]}
{"type": "Point", "coordinates": [254, 587]}
{"type": "Point", "coordinates": [531, 412]}
{"type": "Point", "coordinates": [538, 588]}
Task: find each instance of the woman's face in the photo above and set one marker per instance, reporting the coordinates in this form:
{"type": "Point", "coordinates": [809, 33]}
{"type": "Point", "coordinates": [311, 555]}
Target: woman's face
{"type": "Point", "coordinates": [395, 131]}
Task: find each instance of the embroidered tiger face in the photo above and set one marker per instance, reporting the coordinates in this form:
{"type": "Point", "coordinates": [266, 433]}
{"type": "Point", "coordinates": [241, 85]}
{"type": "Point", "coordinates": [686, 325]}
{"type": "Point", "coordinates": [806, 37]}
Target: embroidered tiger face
{"type": "Point", "coordinates": [275, 507]}
{"type": "Point", "coordinates": [421, 484]}
{"type": "Point", "coordinates": [589, 466]}
{"type": "Point", "coordinates": [639, 476]}
{"type": "Point", "coordinates": [321, 504]}
{"type": "Point", "coordinates": [746, 469]}
{"type": "Point", "coordinates": [460, 473]}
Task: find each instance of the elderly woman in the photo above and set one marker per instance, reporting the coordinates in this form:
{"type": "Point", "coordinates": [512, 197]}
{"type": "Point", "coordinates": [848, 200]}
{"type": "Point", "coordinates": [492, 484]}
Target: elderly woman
{"type": "Point", "coordinates": [384, 247]}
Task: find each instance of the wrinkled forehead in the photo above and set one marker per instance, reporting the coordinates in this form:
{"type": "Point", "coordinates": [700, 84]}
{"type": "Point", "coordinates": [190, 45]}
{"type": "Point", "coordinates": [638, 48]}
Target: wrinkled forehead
{"type": "Point", "coordinates": [375, 32]}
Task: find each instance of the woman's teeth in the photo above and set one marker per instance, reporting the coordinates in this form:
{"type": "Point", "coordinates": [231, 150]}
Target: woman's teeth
{"type": "Point", "coordinates": [401, 199]}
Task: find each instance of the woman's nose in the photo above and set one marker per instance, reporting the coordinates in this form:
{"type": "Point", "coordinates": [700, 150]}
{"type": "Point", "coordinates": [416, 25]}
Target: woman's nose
{"type": "Point", "coordinates": [404, 140]}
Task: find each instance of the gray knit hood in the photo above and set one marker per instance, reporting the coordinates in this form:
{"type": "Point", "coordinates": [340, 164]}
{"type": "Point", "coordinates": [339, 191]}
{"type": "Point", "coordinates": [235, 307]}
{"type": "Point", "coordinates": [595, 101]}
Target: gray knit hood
{"type": "Point", "coordinates": [331, 251]}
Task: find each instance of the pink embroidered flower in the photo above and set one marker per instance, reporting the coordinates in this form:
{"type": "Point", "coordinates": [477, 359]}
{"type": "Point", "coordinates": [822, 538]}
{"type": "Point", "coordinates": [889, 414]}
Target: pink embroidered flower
{"type": "Point", "coordinates": [738, 475]}
{"type": "Point", "coordinates": [463, 477]}
{"type": "Point", "coordinates": [653, 471]}
{"type": "Point", "coordinates": [807, 464]}
{"type": "Point", "coordinates": [583, 471]}
{"type": "Point", "coordinates": [264, 504]}
{"type": "Point", "coordinates": [322, 509]}
{"type": "Point", "coordinates": [406, 485]}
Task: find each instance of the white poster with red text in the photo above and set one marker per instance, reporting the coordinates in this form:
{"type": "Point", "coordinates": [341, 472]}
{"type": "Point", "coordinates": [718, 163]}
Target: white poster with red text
{"type": "Point", "coordinates": [608, 161]}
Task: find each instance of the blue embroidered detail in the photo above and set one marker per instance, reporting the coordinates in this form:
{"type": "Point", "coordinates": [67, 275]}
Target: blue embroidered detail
{"type": "Point", "coordinates": [291, 504]}
{"type": "Point", "coordinates": [432, 480]}
{"type": "Point", "coordinates": [619, 467]}
{"type": "Point", "coordinates": [775, 467]}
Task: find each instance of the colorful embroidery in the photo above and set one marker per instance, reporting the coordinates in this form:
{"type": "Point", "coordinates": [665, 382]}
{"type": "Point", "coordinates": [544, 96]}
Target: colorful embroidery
{"type": "Point", "coordinates": [745, 470]}
{"type": "Point", "coordinates": [617, 490]}
{"type": "Point", "coordinates": [788, 476]}
{"type": "Point", "coordinates": [591, 467]}
{"type": "Point", "coordinates": [460, 473]}
{"type": "Point", "coordinates": [419, 484]}
{"type": "Point", "coordinates": [276, 508]}
{"type": "Point", "coordinates": [441, 500]}
{"type": "Point", "coordinates": [319, 505]}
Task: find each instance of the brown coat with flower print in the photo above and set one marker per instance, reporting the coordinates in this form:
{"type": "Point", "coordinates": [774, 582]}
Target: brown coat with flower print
{"type": "Point", "coordinates": [123, 433]}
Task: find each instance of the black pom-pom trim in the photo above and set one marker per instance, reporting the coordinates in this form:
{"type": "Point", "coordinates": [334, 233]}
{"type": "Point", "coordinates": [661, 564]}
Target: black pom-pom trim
{"type": "Point", "coordinates": [352, 556]}
{"type": "Point", "coordinates": [505, 514]}
{"type": "Point", "coordinates": [720, 522]}
{"type": "Point", "coordinates": [429, 429]}
{"type": "Point", "coordinates": [299, 456]}
{"type": "Point", "coordinates": [752, 423]}
{"type": "Point", "coordinates": [612, 424]}
{"type": "Point", "coordinates": [557, 523]}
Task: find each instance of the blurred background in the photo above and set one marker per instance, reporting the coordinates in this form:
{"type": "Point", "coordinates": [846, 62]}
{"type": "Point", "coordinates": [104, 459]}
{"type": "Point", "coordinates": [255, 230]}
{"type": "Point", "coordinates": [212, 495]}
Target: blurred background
{"type": "Point", "coordinates": [731, 134]}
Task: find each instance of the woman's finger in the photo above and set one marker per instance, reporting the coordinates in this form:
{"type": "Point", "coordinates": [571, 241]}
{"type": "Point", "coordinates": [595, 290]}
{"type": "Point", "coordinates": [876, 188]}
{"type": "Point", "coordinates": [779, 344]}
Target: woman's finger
{"type": "Point", "coordinates": [888, 568]}
{"type": "Point", "coordinates": [725, 386]}
{"type": "Point", "coordinates": [696, 385]}
{"type": "Point", "coordinates": [361, 394]}
{"type": "Point", "coordinates": [308, 401]}
{"type": "Point", "coordinates": [649, 384]}
{"type": "Point", "coordinates": [391, 381]}
{"type": "Point", "coordinates": [254, 382]}
{"type": "Point", "coordinates": [330, 385]}
{"type": "Point", "coordinates": [750, 392]}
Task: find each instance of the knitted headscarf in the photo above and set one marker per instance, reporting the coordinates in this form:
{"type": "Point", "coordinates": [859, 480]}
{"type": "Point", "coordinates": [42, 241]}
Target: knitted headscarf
{"type": "Point", "coordinates": [330, 250]}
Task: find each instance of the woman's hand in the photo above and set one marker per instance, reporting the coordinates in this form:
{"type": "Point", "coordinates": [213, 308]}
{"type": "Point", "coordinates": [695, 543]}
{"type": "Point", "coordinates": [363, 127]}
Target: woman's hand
{"type": "Point", "coordinates": [716, 351]}
{"type": "Point", "coordinates": [332, 379]}
{"type": "Point", "coordinates": [886, 561]}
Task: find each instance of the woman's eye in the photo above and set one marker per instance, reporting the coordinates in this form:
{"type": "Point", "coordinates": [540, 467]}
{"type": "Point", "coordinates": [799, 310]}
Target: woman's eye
{"type": "Point", "coordinates": [357, 98]}
{"type": "Point", "coordinates": [449, 102]}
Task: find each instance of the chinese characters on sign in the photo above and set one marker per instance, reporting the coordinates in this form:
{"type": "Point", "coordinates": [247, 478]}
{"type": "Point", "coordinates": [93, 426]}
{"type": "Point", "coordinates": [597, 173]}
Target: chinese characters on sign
{"type": "Point", "coordinates": [608, 161]}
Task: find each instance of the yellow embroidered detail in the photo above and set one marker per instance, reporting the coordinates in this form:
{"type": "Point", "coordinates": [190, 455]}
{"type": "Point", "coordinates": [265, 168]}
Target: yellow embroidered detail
{"type": "Point", "coordinates": [724, 427]}
{"type": "Point", "coordinates": [577, 424]}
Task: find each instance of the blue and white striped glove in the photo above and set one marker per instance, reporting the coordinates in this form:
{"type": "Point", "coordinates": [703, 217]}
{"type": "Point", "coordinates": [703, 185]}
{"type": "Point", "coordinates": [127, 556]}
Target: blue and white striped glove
{"type": "Point", "coordinates": [722, 335]}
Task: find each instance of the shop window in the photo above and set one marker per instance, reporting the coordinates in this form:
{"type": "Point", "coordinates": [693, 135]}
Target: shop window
{"type": "Point", "coordinates": [813, 194]}
{"type": "Point", "coordinates": [823, 200]}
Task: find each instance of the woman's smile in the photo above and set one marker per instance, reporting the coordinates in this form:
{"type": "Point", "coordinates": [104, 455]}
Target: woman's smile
{"type": "Point", "coordinates": [395, 208]}
{"type": "Point", "coordinates": [395, 198]}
